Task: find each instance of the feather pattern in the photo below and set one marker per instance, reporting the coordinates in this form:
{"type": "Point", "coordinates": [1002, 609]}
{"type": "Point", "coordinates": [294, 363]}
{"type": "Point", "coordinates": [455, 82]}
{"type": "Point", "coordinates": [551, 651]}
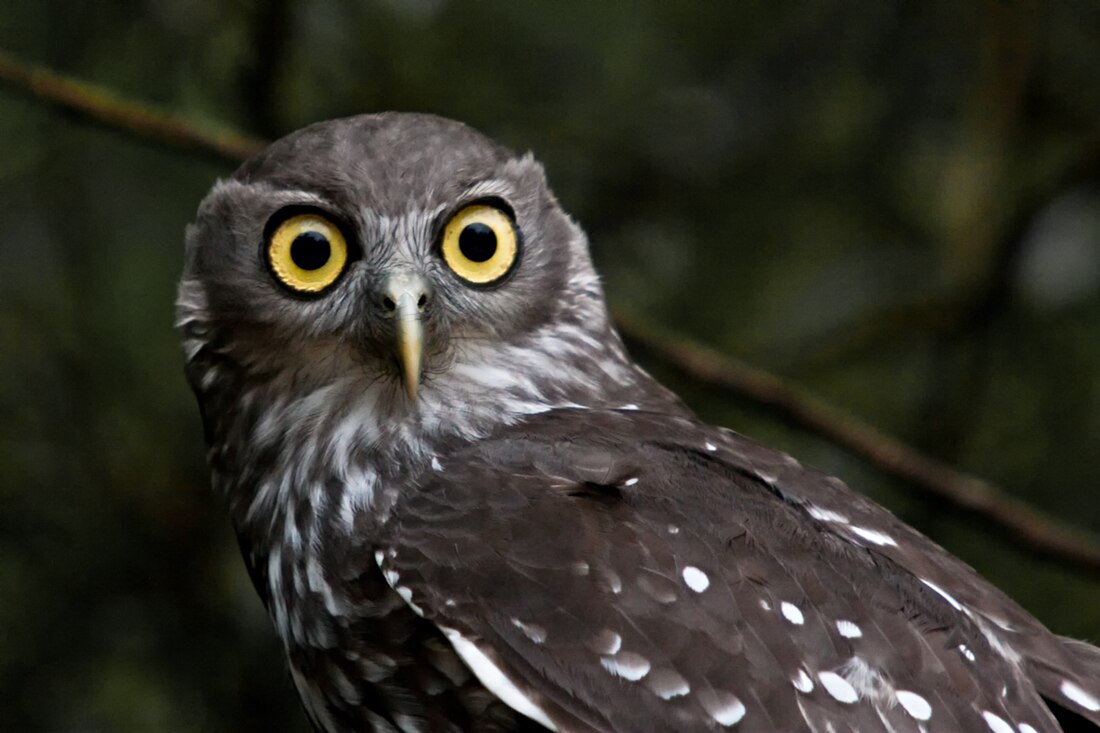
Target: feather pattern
{"type": "Point", "coordinates": [547, 538]}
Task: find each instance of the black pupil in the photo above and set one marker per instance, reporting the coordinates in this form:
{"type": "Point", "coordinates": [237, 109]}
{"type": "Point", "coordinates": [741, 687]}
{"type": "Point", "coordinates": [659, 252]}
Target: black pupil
{"type": "Point", "coordinates": [310, 250]}
{"type": "Point", "coordinates": [478, 242]}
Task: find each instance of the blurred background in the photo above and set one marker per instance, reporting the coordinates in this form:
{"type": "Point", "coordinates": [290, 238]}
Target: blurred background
{"type": "Point", "coordinates": [894, 206]}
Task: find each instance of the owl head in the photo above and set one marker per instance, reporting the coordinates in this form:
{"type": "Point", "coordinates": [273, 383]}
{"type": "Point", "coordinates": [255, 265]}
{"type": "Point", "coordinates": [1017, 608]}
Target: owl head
{"type": "Point", "coordinates": [403, 256]}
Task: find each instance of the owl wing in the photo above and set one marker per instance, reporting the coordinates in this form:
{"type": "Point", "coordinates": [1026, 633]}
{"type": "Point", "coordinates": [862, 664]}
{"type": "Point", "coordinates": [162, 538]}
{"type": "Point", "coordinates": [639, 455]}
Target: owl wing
{"type": "Point", "coordinates": [628, 571]}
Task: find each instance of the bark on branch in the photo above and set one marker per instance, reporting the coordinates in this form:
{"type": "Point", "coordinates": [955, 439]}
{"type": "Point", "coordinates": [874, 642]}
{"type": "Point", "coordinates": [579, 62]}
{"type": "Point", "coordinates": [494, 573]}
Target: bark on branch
{"type": "Point", "coordinates": [103, 106]}
{"type": "Point", "coordinates": [1030, 528]}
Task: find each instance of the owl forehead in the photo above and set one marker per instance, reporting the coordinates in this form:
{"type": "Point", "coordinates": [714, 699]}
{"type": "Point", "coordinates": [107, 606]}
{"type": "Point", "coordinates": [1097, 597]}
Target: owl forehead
{"type": "Point", "coordinates": [388, 165]}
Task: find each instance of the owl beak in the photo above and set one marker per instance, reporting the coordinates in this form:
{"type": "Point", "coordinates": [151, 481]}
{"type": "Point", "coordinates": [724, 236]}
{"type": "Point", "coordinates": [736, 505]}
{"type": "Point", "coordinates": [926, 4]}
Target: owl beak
{"type": "Point", "coordinates": [406, 296]}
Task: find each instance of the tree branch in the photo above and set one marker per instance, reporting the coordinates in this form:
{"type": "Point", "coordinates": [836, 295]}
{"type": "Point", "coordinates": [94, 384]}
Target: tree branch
{"type": "Point", "coordinates": [1033, 530]}
{"type": "Point", "coordinates": [102, 106]}
{"type": "Point", "coordinates": [1042, 534]}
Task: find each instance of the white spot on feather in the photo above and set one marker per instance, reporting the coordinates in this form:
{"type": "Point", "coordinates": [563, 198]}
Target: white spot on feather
{"type": "Point", "coordinates": [724, 707]}
{"type": "Point", "coordinates": [996, 723]}
{"type": "Point", "coordinates": [943, 594]}
{"type": "Point", "coordinates": [436, 465]}
{"type": "Point", "coordinates": [802, 682]}
{"type": "Point", "coordinates": [848, 629]}
{"type": "Point", "coordinates": [696, 579]}
{"type": "Point", "coordinates": [996, 642]}
{"type": "Point", "coordinates": [1025, 728]}
{"type": "Point", "coordinates": [494, 679]}
{"type": "Point", "coordinates": [344, 686]}
{"type": "Point", "coordinates": [534, 632]}
{"type": "Point", "coordinates": [614, 582]}
{"type": "Point", "coordinates": [407, 595]}
{"type": "Point", "coordinates": [792, 613]}
{"type": "Point", "coordinates": [312, 699]}
{"type": "Point", "coordinates": [1080, 696]}
{"type": "Point", "coordinates": [606, 642]}
{"type": "Point", "coordinates": [628, 665]}
{"type": "Point", "coordinates": [917, 707]}
{"type": "Point", "coordinates": [278, 596]}
{"type": "Point", "coordinates": [838, 687]}
{"type": "Point", "coordinates": [867, 681]}
{"type": "Point", "coordinates": [314, 574]}
{"type": "Point", "coordinates": [966, 652]}
{"type": "Point", "coordinates": [873, 536]}
{"type": "Point", "coordinates": [667, 684]}
{"type": "Point", "coordinates": [630, 481]}
{"type": "Point", "coordinates": [710, 446]}
{"type": "Point", "coordinates": [826, 515]}
{"type": "Point", "coordinates": [659, 588]}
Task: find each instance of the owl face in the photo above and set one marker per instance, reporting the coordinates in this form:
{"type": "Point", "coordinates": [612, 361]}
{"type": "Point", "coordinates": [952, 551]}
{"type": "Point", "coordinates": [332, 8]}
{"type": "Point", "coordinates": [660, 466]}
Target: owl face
{"type": "Point", "coordinates": [387, 246]}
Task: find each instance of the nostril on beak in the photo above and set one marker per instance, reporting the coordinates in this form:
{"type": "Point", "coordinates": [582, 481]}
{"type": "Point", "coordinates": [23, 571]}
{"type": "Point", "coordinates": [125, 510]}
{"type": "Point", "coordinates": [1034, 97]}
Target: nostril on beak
{"type": "Point", "coordinates": [404, 295]}
{"type": "Point", "coordinates": [390, 305]}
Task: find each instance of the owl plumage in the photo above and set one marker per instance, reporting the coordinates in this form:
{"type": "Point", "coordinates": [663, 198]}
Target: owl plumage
{"type": "Point", "coordinates": [467, 509]}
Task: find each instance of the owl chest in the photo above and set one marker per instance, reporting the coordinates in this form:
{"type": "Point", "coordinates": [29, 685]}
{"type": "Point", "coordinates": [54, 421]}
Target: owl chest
{"type": "Point", "coordinates": [362, 660]}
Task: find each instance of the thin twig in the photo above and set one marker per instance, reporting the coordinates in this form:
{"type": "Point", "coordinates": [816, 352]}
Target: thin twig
{"type": "Point", "coordinates": [1034, 530]}
{"type": "Point", "coordinates": [103, 106]}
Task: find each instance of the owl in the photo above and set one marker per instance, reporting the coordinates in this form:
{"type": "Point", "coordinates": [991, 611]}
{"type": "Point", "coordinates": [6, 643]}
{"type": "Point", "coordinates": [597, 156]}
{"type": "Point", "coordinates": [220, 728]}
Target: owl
{"type": "Point", "coordinates": [467, 509]}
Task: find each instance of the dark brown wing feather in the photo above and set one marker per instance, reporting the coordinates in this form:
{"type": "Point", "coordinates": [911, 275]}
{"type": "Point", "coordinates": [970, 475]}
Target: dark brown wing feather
{"type": "Point", "coordinates": [632, 571]}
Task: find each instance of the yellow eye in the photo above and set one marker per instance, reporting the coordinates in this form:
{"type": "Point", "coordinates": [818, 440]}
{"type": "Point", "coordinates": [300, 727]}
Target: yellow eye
{"type": "Point", "coordinates": [307, 252]}
{"type": "Point", "coordinates": [480, 244]}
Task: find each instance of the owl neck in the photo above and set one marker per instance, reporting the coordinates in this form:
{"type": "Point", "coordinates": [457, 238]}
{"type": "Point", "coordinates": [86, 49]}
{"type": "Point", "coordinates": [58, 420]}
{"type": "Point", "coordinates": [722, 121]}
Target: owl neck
{"type": "Point", "coordinates": [294, 460]}
{"type": "Point", "coordinates": [299, 462]}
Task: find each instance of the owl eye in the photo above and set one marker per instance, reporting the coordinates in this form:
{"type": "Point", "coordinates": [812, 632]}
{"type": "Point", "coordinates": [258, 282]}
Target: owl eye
{"type": "Point", "coordinates": [307, 252]}
{"type": "Point", "coordinates": [480, 244]}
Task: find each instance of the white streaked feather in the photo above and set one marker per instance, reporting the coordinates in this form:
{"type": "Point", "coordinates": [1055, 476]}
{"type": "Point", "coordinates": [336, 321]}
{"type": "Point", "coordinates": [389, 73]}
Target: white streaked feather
{"type": "Point", "coordinates": [494, 679]}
